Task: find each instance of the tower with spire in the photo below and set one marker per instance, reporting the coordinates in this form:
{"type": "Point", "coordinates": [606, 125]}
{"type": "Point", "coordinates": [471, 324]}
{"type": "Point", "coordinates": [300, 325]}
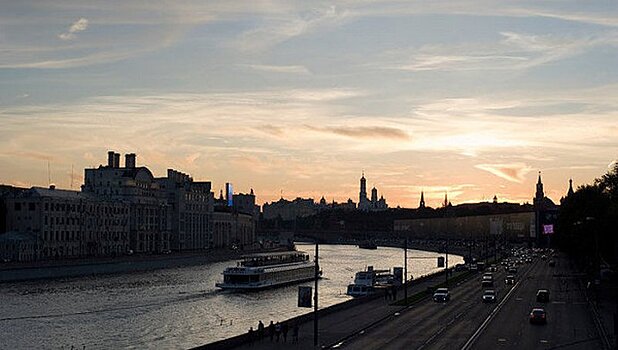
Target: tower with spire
{"type": "Point", "coordinates": [421, 205]}
{"type": "Point", "coordinates": [539, 190]}
{"type": "Point", "coordinates": [570, 192]}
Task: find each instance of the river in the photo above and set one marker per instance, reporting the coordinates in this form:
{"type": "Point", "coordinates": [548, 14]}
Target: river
{"type": "Point", "coordinates": [174, 308]}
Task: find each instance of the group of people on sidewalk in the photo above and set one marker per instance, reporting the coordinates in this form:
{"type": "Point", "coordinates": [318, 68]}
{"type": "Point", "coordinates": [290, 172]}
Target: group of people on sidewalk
{"type": "Point", "coordinates": [390, 293]}
{"type": "Point", "coordinates": [274, 331]}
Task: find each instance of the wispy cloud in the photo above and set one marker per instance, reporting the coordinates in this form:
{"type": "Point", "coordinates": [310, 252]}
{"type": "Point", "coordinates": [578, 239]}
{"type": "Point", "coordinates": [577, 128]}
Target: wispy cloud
{"type": "Point", "coordinates": [363, 131]}
{"type": "Point", "coordinates": [293, 69]}
{"type": "Point", "coordinates": [514, 51]}
{"type": "Point", "coordinates": [511, 172]}
{"type": "Point", "coordinates": [78, 26]}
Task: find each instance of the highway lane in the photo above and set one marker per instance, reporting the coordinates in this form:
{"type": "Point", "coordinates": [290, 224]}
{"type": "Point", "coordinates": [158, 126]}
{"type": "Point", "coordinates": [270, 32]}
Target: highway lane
{"type": "Point", "coordinates": [430, 325]}
{"type": "Point", "coordinates": [570, 324]}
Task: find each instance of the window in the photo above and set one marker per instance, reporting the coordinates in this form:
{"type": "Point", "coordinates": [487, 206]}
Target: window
{"type": "Point", "coordinates": [17, 206]}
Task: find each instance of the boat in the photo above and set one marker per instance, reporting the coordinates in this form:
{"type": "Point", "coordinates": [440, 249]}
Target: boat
{"type": "Point", "coordinates": [370, 282]}
{"type": "Point", "coordinates": [268, 270]}
{"type": "Point", "coordinates": [368, 245]}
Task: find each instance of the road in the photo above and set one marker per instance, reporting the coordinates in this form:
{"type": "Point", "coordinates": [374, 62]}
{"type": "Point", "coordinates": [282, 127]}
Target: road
{"type": "Point", "coordinates": [569, 326]}
{"type": "Point", "coordinates": [430, 325]}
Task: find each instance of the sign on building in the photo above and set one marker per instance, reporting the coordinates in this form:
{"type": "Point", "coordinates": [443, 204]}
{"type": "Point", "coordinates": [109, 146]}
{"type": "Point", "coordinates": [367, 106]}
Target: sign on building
{"type": "Point", "coordinates": [304, 296]}
{"type": "Point", "coordinates": [440, 261]}
{"type": "Point", "coordinates": [548, 229]}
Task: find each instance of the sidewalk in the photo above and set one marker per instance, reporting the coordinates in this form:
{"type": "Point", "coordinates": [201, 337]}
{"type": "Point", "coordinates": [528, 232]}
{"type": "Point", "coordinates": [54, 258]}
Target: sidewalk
{"type": "Point", "coordinates": [339, 324]}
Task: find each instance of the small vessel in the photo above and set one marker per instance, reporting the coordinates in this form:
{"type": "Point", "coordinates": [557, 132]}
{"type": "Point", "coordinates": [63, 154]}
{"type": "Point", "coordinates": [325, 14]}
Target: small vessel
{"type": "Point", "coordinates": [368, 245]}
{"type": "Point", "coordinates": [267, 270]}
{"type": "Point", "coordinates": [370, 281]}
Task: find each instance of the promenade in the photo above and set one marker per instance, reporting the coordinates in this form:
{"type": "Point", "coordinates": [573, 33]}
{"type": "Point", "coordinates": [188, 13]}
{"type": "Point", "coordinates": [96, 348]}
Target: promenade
{"type": "Point", "coordinates": [464, 322]}
{"type": "Point", "coordinates": [344, 322]}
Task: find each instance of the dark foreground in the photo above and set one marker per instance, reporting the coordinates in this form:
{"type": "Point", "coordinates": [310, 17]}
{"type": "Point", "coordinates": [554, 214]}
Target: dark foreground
{"type": "Point", "coordinates": [465, 322]}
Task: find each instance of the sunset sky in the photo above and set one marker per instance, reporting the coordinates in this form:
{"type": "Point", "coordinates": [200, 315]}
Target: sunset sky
{"type": "Point", "coordinates": [472, 98]}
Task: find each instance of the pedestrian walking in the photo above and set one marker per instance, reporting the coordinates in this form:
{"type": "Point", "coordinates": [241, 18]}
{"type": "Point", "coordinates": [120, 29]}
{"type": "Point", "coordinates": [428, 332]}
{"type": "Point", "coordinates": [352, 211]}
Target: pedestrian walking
{"type": "Point", "coordinates": [251, 336]}
{"type": "Point", "coordinates": [260, 331]}
{"type": "Point", "coordinates": [284, 331]}
{"type": "Point", "coordinates": [277, 331]}
{"type": "Point", "coordinates": [295, 333]}
{"type": "Point", "coordinates": [271, 331]}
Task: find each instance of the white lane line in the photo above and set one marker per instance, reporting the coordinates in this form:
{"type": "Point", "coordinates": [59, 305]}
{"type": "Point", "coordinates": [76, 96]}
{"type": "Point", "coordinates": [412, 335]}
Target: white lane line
{"type": "Point", "coordinates": [501, 340]}
{"type": "Point", "coordinates": [558, 302]}
{"type": "Point", "coordinates": [476, 334]}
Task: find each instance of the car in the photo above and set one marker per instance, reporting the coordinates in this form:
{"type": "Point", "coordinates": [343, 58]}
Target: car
{"type": "Point", "coordinates": [461, 267]}
{"type": "Point", "coordinates": [538, 315]}
{"type": "Point", "coordinates": [489, 296]}
{"type": "Point", "coordinates": [543, 257]}
{"type": "Point", "coordinates": [474, 267]}
{"type": "Point", "coordinates": [493, 268]}
{"type": "Point", "coordinates": [487, 283]}
{"type": "Point", "coordinates": [441, 295]}
{"type": "Point", "coordinates": [511, 269]}
{"type": "Point", "coordinates": [551, 263]}
{"type": "Point", "coordinates": [510, 279]}
{"type": "Point", "coordinates": [542, 295]}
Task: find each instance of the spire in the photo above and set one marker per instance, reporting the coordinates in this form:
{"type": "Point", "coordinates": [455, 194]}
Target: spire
{"type": "Point", "coordinates": [570, 187]}
{"type": "Point", "coordinates": [495, 199]}
{"type": "Point", "coordinates": [446, 202]}
{"type": "Point", "coordinates": [539, 189]}
{"type": "Point", "coordinates": [422, 203]}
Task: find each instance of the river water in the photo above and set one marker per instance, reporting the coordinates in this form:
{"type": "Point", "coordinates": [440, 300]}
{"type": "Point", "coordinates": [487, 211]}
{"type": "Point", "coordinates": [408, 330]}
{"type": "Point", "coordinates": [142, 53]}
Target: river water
{"type": "Point", "coordinates": [174, 308]}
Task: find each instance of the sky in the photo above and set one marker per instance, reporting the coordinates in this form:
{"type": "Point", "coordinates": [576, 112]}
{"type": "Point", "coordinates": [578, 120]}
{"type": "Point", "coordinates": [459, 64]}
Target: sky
{"type": "Point", "coordinates": [298, 98]}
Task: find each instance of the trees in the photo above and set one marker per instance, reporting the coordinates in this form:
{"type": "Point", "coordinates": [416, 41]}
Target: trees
{"type": "Point", "coordinates": [587, 221]}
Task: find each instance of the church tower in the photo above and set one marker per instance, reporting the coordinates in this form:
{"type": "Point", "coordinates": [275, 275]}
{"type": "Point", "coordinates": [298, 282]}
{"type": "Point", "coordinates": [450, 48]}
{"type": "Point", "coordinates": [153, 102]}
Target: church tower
{"type": "Point", "coordinates": [421, 205]}
{"type": "Point", "coordinates": [374, 195]}
{"type": "Point", "coordinates": [362, 196]}
{"type": "Point", "coordinates": [539, 190]}
{"type": "Point", "coordinates": [570, 187]}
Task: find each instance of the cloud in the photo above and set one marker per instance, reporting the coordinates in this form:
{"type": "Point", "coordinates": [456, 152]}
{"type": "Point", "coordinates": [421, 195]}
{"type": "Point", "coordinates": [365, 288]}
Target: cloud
{"type": "Point", "coordinates": [279, 69]}
{"type": "Point", "coordinates": [511, 172]}
{"type": "Point", "coordinates": [78, 26]}
{"type": "Point", "coordinates": [363, 131]}
{"type": "Point", "coordinates": [514, 51]}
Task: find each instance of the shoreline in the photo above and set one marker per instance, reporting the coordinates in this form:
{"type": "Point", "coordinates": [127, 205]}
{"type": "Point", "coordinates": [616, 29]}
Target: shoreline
{"type": "Point", "coordinates": [110, 266]}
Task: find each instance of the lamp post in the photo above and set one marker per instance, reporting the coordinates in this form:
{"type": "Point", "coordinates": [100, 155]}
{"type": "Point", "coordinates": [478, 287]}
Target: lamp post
{"type": "Point", "coordinates": [315, 297]}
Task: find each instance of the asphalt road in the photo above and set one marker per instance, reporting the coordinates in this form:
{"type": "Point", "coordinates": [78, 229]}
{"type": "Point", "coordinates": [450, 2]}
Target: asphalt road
{"type": "Point", "coordinates": [430, 325]}
{"type": "Point", "coordinates": [569, 321]}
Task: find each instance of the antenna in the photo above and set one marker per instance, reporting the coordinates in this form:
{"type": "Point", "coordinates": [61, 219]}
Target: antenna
{"type": "Point", "coordinates": [48, 174]}
{"type": "Point", "coordinates": [71, 176]}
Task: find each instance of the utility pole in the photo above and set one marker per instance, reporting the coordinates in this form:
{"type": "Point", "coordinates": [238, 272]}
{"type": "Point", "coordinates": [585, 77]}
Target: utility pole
{"type": "Point", "coordinates": [405, 270]}
{"type": "Point", "coordinates": [315, 298]}
{"type": "Point", "coordinates": [446, 266]}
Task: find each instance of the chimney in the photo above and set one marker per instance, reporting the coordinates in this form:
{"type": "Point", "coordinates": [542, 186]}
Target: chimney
{"type": "Point", "coordinates": [110, 159]}
{"type": "Point", "coordinates": [129, 160]}
{"type": "Point", "coordinates": [116, 160]}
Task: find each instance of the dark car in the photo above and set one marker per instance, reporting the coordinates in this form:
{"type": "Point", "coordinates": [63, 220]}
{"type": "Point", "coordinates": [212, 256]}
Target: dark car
{"type": "Point", "coordinates": [552, 263]}
{"type": "Point", "coordinates": [538, 316]}
{"type": "Point", "coordinates": [510, 279]}
{"type": "Point", "coordinates": [441, 295]}
{"type": "Point", "coordinates": [542, 295]}
{"type": "Point", "coordinates": [489, 296]}
{"type": "Point", "coordinates": [511, 269]}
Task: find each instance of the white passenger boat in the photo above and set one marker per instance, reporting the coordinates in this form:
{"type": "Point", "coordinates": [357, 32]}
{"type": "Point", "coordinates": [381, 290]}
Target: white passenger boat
{"type": "Point", "coordinates": [370, 281]}
{"type": "Point", "coordinates": [267, 270]}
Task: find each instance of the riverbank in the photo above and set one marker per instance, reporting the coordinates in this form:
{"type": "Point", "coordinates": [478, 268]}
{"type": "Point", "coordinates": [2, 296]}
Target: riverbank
{"type": "Point", "coordinates": [101, 266]}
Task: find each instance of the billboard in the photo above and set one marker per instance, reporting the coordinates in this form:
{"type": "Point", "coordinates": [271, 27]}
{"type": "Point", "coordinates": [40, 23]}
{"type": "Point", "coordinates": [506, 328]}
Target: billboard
{"type": "Point", "coordinates": [304, 296]}
{"type": "Point", "coordinates": [548, 229]}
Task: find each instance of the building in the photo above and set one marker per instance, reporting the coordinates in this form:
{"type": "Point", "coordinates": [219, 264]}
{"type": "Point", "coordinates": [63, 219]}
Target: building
{"type": "Point", "coordinates": [232, 229]}
{"type": "Point", "coordinates": [289, 210]}
{"type": "Point", "coordinates": [150, 221]}
{"type": "Point", "coordinates": [68, 224]}
{"type": "Point", "coordinates": [373, 204]}
{"type": "Point", "coordinates": [245, 203]}
{"type": "Point", "coordinates": [191, 204]}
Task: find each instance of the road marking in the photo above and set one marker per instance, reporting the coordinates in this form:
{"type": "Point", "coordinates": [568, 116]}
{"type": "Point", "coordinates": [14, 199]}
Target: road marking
{"type": "Point", "coordinates": [493, 313]}
{"type": "Point", "coordinates": [397, 314]}
{"type": "Point", "coordinates": [519, 299]}
{"type": "Point", "coordinates": [501, 340]}
{"type": "Point", "coordinates": [544, 341]}
{"type": "Point", "coordinates": [558, 302]}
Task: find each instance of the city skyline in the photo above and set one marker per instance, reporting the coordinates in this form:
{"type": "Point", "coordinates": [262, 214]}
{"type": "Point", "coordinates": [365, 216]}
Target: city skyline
{"type": "Point", "coordinates": [468, 98]}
